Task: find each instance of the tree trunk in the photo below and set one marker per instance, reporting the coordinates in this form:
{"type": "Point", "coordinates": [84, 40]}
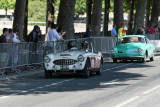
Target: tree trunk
{"type": "Point", "coordinates": [66, 17]}
{"type": "Point", "coordinates": [89, 12]}
{"type": "Point", "coordinates": [25, 31]}
{"type": "Point", "coordinates": [6, 12]}
{"type": "Point", "coordinates": [148, 13]}
{"type": "Point", "coordinates": [131, 15]}
{"type": "Point", "coordinates": [155, 12]}
{"type": "Point", "coordinates": [106, 17]}
{"type": "Point", "coordinates": [18, 22]}
{"type": "Point", "coordinates": [50, 14]}
{"type": "Point", "coordinates": [96, 17]}
{"type": "Point", "coordinates": [139, 16]}
{"type": "Point", "coordinates": [118, 13]}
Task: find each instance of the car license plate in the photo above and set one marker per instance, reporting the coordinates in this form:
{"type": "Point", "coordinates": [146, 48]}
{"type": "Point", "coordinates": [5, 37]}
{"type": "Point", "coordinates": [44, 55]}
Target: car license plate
{"type": "Point", "coordinates": [64, 67]}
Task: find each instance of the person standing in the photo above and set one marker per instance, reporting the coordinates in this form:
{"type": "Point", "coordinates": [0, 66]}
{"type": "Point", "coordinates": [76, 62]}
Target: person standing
{"type": "Point", "coordinates": [121, 31]}
{"type": "Point", "coordinates": [88, 33]}
{"type": "Point", "coordinates": [53, 34]}
{"type": "Point", "coordinates": [15, 47]}
{"type": "Point", "coordinates": [113, 32]}
{"type": "Point", "coordinates": [152, 29]}
{"type": "Point", "coordinates": [3, 50]}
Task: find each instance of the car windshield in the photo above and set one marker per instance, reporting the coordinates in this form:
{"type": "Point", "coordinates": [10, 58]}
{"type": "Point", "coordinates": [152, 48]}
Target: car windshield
{"type": "Point", "coordinates": [72, 46]}
{"type": "Point", "coordinates": [132, 40]}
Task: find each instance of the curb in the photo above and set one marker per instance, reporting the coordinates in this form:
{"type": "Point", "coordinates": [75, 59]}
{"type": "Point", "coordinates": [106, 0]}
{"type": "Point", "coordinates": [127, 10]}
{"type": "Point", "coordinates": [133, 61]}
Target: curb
{"type": "Point", "coordinates": [21, 75]}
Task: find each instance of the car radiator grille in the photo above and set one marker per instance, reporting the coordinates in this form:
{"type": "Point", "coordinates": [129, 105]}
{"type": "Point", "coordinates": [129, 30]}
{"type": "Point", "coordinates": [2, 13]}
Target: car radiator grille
{"type": "Point", "coordinates": [65, 62]}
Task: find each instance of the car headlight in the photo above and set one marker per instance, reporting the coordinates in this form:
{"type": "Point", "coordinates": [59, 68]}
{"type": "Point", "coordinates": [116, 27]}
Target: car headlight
{"type": "Point", "coordinates": [80, 58]}
{"type": "Point", "coordinates": [47, 59]}
{"type": "Point", "coordinates": [113, 51]}
{"type": "Point", "coordinates": [140, 50]}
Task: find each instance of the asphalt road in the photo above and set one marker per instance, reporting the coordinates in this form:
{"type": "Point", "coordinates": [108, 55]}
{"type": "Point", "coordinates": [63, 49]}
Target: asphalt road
{"type": "Point", "coordinates": [130, 84]}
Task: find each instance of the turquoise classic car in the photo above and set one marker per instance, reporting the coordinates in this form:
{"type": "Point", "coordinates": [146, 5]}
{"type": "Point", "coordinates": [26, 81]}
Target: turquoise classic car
{"type": "Point", "coordinates": [133, 47]}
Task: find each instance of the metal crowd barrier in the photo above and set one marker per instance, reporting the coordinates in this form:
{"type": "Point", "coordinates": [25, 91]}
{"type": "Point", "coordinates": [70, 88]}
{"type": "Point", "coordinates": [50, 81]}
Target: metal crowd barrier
{"type": "Point", "coordinates": [14, 55]}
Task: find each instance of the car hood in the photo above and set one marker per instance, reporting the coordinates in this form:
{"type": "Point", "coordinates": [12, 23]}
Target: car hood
{"type": "Point", "coordinates": [67, 54]}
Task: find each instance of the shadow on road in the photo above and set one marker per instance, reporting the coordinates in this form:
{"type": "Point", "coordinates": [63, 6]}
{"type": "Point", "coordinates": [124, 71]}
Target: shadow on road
{"type": "Point", "coordinates": [78, 83]}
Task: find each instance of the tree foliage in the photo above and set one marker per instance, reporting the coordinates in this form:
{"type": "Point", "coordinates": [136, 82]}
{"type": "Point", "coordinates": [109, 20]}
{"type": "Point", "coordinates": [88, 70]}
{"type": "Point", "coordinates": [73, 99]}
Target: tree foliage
{"type": "Point", "coordinates": [37, 10]}
{"type": "Point", "coordinates": [7, 4]}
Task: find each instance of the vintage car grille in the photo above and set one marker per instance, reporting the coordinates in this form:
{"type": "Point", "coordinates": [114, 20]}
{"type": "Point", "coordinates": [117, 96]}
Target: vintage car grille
{"type": "Point", "coordinates": [65, 62]}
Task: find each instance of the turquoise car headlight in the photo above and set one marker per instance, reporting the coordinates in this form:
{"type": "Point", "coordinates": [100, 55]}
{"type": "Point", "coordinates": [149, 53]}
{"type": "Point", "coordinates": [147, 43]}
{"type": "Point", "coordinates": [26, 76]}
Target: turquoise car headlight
{"type": "Point", "coordinates": [80, 58]}
{"type": "Point", "coordinates": [113, 51]}
{"type": "Point", "coordinates": [47, 59]}
{"type": "Point", "coordinates": [140, 50]}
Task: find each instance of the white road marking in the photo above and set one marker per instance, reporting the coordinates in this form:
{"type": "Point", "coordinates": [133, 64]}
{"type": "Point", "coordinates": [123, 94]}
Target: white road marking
{"type": "Point", "coordinates": [33, 89]}
{"type": "Point", "coordinates": [116, 67]}
{"type": "Point", "coordinates": [109, 82]}
{"type": "Point", "coordinates": [128, 101]}
{"type": "Point", "coordinates": [146, 92]}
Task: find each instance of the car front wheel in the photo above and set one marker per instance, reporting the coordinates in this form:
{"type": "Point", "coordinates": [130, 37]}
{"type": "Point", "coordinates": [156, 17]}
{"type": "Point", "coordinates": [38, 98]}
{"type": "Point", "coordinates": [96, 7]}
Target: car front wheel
{"type": "Point", "coordinates": [86, 69]}
{"type": "Point", "coordinates": [144, 59]}
{"type": "Point", "coordinates": [48, 74]}
{"type": "Point", "coordinates": [114, 60]}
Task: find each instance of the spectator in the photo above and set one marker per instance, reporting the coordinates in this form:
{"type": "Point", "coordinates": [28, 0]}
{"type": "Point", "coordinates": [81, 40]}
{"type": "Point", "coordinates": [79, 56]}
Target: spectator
{"type": "Point", "coordinates": [9, 36]}
{"type": "Point", "coordinates": [33, 36]}
{"type": "Point", "coordinates": [156, 28]}
{"type": "Point", "coordinates": [121, 31]}
{"type": "Point", "coordinates": [3, 50]}
{"type": "Point", "coordinates": [140, 31]}
{"type": "Point", "coordinates": [113, 32]}
{"type": "Point", "coordinates": [3, 36]}
{"type": "Point", "coordinates": [88, 33]}
{"type": "Point", "coordinates": [60, 32]}
{"type": "Point", "coordinates": [53, 34]}
{"type": "Point", "coordinates": [15, 48]}
{"type": "Point", "coordinates": [40, 35]}
{"type": "Point", "coordinates": [152, 29]}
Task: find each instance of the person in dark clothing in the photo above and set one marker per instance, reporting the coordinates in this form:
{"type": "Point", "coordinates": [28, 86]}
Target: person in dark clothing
{"type": "Point", "coordinates": [140, 31]}
{"type": "Point", "coordinates": [33, 36]}
{"type": "Point", "coordinates": [88, 33]}
{"type": "Point", "coordinates": [3, 36]}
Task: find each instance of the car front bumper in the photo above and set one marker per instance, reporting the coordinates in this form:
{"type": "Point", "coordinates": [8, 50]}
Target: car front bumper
{"type": "Point", "coordinates": [129, 58]}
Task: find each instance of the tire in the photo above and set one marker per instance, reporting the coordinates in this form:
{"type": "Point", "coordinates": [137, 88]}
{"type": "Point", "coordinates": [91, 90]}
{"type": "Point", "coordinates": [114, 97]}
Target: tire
{"type": "Point", "coordinates": [48, 74]}
{"type": "Point", "coordinates": [99, 72]}
{"type": "Point", "coordinates": [152, 58]}
{"type": "Point", "coordinates": [114, 61]}
{"type": "Point", "coordinates": [144, 59]}
{"type": "Point", "coordinates": [86, 69]}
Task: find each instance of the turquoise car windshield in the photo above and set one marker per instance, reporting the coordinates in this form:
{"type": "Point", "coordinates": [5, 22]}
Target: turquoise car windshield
{"type": "Point", "coordinates": [132, 40]}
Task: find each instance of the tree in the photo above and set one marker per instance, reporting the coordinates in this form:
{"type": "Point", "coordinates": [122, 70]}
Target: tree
{"type": "Point", "coordinates": [155, 12]}
{"type": "Point", "coordinates": [89, 12]}
{"type": "Point", "coordinates": [18, 22]}
{"type": "Point", "coordinates": [139, 16]}
{"type": "Point", "coordinates": [118, 13]}
{"type": "Point", "coordinates": [25, 31]}
{"type": "Point", "coordinates": [148, 12]}
{"type": "Point", "coordinates": [66, 17]}
{"type": "Point", "coordinates": [131, 15]}
{"type": "Point", "coordinates": [106, 17]}
{"type": "Point", "coordinates": [96, 17]}
{"type": "Point", "coordinates": [7, 4]}
{"type": "Point", "coordinates": [50, 14]}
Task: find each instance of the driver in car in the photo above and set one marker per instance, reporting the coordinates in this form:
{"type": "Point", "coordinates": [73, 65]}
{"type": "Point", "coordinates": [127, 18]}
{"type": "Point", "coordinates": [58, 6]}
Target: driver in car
{"type": "Point", "coordinates": [84, 45]}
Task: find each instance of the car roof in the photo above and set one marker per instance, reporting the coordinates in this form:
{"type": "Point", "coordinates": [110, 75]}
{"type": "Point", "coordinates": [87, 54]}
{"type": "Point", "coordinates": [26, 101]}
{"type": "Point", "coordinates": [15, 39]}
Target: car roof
{"type": "Point", "coordinates": [134, 36]}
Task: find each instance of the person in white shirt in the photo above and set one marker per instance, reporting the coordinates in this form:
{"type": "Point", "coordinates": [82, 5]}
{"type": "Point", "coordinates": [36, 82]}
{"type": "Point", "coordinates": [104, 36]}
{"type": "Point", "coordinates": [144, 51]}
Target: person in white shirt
{"type": "Point", "coordinates": [15, 40]}
{"type": "Point", "coordinates": [54, 36]}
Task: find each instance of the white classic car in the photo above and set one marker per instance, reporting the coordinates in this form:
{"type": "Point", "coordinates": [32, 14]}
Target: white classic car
{"type": "Point", "coordinates": [73, 58]}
